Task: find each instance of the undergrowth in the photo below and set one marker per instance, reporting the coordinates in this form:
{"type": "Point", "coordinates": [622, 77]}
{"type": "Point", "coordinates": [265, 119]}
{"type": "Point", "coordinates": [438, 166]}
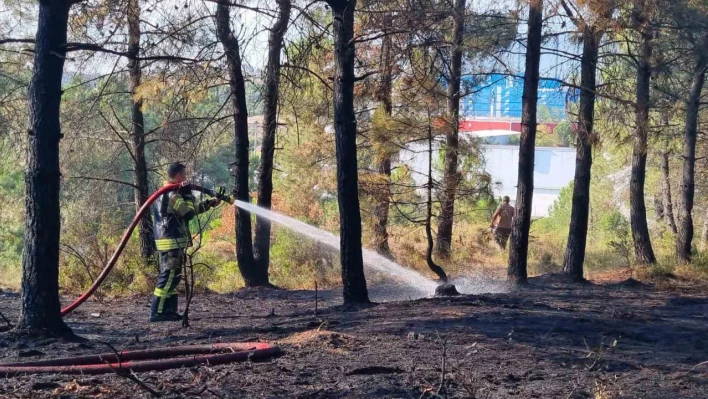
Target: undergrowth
{"type": "Point", "coordinates": [300, 263]}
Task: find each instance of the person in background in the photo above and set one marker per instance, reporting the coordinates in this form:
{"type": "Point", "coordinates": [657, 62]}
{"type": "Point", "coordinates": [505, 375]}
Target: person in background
{"type": "Point", "coordinates": [173, 212]}
{"type": "Point", "coordinates": [501, 222]}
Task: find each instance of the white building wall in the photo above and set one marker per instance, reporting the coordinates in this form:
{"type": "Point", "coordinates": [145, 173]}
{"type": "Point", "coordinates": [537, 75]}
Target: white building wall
{"type": "Point", "coordinates": [554, 169]}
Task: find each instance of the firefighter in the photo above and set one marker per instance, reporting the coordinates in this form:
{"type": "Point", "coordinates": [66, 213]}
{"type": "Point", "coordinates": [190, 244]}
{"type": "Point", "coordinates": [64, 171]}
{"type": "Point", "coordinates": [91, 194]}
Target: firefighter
{"type": "Point", "coordinates": [173, 211]}
{"type": "Point", "coordinates": [501, 222]}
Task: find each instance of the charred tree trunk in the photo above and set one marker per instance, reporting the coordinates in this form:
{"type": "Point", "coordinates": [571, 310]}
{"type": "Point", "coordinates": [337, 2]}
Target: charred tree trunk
{"type": "Point", "coordinates": [429, 211]}
{"type": "Point", "coordinates": [353, 280]}
{"type": "Point", "coordinates": [688, 185]}
{"type": "Point", "coordinates": [140, 172]}
{"type": "Point", "coordinates": [41, 310]}
{"type": "Point", "coordinates": [519, 245]}
{"type": "Point", "coordinates": [451, 176]}
{"type": "Point", "coordinates": [577, 235]}
{"type": "Point", "coordinates": [244, 244]}
{"type": "Point", "coordinates": [261, 243]}
{"type": "Point", "coordinates": [667, 203]}
{"type": "Point", "coordinates": [637, 207]}
{"type": "Point", "coordinates": [383, 159]}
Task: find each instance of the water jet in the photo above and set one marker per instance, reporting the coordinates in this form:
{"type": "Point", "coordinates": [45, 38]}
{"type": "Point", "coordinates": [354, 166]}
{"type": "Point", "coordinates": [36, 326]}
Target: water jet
{"type": "Point", "coordinates": [371, 258]}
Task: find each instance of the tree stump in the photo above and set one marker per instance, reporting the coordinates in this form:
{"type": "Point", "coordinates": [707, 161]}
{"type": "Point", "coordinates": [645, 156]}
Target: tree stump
{"type": "Point", "coordinates": [446, 290]}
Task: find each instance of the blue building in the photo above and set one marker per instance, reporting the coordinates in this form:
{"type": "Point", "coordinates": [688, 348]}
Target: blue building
{"type": "Point", "coordinates": [499, 97]}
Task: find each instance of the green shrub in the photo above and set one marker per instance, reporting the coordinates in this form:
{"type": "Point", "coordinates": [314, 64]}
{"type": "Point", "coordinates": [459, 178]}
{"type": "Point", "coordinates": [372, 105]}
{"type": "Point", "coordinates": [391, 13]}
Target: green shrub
{"type": "Point", "coordinates": [297, 262]}
{"type": "Point", "coordinates": [225, 277]}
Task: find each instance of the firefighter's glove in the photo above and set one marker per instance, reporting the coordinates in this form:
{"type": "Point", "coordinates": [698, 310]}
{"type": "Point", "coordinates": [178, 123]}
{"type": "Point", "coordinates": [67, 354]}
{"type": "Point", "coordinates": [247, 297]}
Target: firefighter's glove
{"type": "Point", "coordinates": [215, 202]}
{"type": "Point", "coordinates": [220, 192]}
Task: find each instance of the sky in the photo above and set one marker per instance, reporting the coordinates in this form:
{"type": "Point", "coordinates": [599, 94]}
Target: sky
{"type": "Point", "coordinates": [18, 19]}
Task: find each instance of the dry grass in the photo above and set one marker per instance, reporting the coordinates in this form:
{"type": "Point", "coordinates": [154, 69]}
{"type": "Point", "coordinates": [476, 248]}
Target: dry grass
{"type": "Point", "coordinates": [330, 341]}
{"type": "Point", "coordinates": [10, 278]}
{"type": "Point", "coordinates": [473, 252]}
{"type": "Point", "coordinates": [299, 263]}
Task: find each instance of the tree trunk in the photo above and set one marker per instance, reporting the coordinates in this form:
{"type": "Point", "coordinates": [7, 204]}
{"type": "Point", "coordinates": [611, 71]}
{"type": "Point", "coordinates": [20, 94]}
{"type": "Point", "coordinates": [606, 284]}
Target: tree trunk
{"type": "Point", "coordinates": [41, 310]}
{"type": "Point", "coordinates": [638, 212]}
{"type": "Point", "coordinates": [667, 203]}
{"type": "Point", "coordinates": [429, 211]}
{"type": "Point", "coordinates": [244, 243]}
{"type": "Point", "coordinates": [577, 235]}
{"type": "Point", "coordinates": [261, 244]}
{"type": "Point", "coordinates": [519, 245]}
{"type": "Point", "coordinates": [688, 186]}
{"type": "Point", "coordinates": [140, 172]}
{"type": "Point", "coordinates": [354, 282]}
{"type": "Point", "coordinates": [380, 228]}
{"type": "Point", "coordinates": [451, 176]}
{"type": "Point", "coordinates": [383, 158]}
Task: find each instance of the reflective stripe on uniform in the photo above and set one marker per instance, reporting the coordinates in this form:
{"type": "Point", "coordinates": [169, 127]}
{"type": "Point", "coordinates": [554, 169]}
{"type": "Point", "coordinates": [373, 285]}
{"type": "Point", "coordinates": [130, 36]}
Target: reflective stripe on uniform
{"type": "Point", "coordinates": [167, 244]}
{"type": "Point", "coordinates": [181, 206]}
{"type": "Point", "coordinates": [161, 305]}
{"type": "Point", "coordinates": [179, 202]}
{"type": "Point", "coordinates": [169, 283]}
{"type": "Point", "coordinates": [163, 294]}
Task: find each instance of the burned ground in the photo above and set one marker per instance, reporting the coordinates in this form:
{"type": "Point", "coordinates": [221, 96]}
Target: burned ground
{"type": "Point", "coordinates": [549, 341]}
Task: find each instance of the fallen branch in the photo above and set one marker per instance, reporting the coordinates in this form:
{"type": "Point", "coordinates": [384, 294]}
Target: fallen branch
{"type": "Point", "coordinates": [441, 389]}
{"type": "Point", "coordinates": [130, 375]}
{"type": "Point", "coordinates": [698, 365]}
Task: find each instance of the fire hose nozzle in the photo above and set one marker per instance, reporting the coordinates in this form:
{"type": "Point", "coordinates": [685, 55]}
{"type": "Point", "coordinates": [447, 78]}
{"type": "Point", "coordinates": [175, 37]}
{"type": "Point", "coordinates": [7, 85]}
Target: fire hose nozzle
{"type": "Point", "coordinates": [223, 197]}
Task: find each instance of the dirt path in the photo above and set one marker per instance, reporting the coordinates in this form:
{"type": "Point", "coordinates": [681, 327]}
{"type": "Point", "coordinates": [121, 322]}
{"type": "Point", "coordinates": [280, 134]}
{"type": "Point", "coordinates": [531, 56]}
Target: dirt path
{"type": "Point", "coordinates": [551, 341]}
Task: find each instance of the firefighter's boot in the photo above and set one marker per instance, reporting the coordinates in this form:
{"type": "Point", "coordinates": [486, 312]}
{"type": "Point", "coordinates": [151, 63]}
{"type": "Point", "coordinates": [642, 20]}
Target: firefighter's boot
{"type": "Point", "coordinates": [173, 306]}
{"type": "Point", "coordinates": [161, 309]}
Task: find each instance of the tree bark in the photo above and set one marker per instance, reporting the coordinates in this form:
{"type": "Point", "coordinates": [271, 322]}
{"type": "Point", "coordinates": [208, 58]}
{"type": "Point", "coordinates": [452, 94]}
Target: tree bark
{"type": "Point", "coordinates": [451, 176]}
{"type": "Point", "coordinates": [261, 248]}
{"type": "Point", "coordinates": [383, 159]}
{"type": "Point", "coordinates": [429, 211]}
{"type": "Point", "coordinates": [667, 202]}
{"type": "Point", "coordinates": [354, 282]}
{"type": "Point", "coordinates": [41, 309]}
{"type": "Point", "coordinates": [140, 172]}
{"type": "Point", "coordinates": [244, 242]}
{"type": "Point", "coordinates": [577, 235]}
{"type": "Point", "coordinates": [519, 243]}
{"type": "Point", "coordinates": [684, 237]}
{"type": "Point", "coordinates": [638, 212]}
{"type": "Point", "coordinates": [380, 228]}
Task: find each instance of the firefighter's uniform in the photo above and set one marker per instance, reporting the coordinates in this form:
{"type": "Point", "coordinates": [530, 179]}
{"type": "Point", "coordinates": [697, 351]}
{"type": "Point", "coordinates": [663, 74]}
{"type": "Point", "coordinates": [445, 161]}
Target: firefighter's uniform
{"type": "Point", "coordinates": [173, 211]}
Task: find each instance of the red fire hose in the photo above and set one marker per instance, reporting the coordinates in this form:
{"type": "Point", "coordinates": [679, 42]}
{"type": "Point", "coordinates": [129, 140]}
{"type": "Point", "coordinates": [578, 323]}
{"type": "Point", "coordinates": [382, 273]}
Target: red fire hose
{"type": "Point", "coordinates": [119, 250]}
{"type": "Point", "coordinates": [126, 237]}
{"type": "Point", "coordinates": [146, 360]}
